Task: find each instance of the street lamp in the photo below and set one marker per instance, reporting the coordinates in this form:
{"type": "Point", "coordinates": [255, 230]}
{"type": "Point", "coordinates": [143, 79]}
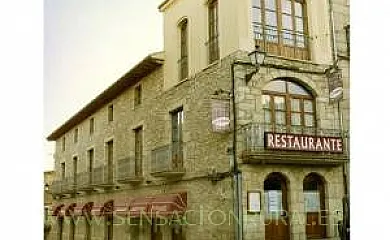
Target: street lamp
{"type": "Point", "coordinates": [257, 58]}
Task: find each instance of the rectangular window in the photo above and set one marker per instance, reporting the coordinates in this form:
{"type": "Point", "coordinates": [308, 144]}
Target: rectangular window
{"type": "Point", "coordinates": [177, 138]}
{"type": "Point", "coordinates": [213, 46]}
{"type": "Point", "coordinates": [220, 115]}
{"type": "Point", "coordinates": [91, 156]}
{"type": "Point", "coordinates": [63, 171]}
{"type": "Point", "coordinates": [110, 159]}
{"type": "Point", "coordinates": [280, 27]}
{"type": "Point", "coordinates": [183, 61]}
{"type": "Point", "coordinates": [111, 113]}
{"type": "Point", "coordinates": [76, 135]}
{"type": "Point", "coordinates": [347, 38]}
{"type": "Point", "coordinates": [137, 95]}
{"type": "Point", "coordinates": [63, 143]}
{"type": "Point", "coordinates": [91, 126]}
{"type": "Point", "coordinates": [75, 160]}
{"type": "Point", "coordinates": [138, 132]}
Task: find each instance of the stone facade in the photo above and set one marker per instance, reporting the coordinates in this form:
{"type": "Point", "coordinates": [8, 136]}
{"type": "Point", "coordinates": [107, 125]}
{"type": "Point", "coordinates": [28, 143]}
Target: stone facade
{"type": "Point", "coordinates": [207, 156]}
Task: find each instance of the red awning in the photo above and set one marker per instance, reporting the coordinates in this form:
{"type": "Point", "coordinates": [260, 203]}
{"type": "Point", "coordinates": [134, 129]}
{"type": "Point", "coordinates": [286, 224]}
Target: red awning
{"type": "Point", "coordinates": [140, 205]}
{"type": "Point", "coordinates": [166, 205]}
{"type": "Point", "coordinates": [69, 210]}
{"type": "Point", "coordinates": [57, 210]}
{"type": "Point", "coordinates": [102, 209]}
{"type": "Point", "coordinates": [83, 209]}
{"type": "Point", "coordinates": [160, 205]}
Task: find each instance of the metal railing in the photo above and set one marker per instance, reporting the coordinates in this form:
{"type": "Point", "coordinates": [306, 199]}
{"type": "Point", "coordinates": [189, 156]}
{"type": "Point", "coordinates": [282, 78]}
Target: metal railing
{"type": "Point", "coordinates": [252, 134]}
{"type": "Point", "coordinates": [63, 186]}
{"type": "Point", "coordinates": [128, 168]}
{"type": "Point", "coordinates": [84, 180]}
{"type": "Point", "coordinates": [102, 175]}
{"type": "Point", "coordinates": [168, 158]}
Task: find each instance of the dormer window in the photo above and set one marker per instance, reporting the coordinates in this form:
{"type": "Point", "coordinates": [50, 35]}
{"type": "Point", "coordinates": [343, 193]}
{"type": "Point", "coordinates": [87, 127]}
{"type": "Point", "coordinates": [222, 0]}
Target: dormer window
{"type": "Point", "coordinates": [183, 61]}
{"type": "Point", "coordinates": [280, 27]}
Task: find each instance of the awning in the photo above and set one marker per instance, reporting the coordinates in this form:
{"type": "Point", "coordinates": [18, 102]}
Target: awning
{"type": "Point", "coordinates": [83, 209]}
{"type": "Point", "coordinates": [160, 205]}
{"type": "Point", "coordinates": [69, 210]}
{"type": "Point", "coordinates": [57, 210]}
{"type": "Point", "coordinates": [103, 209]}
{"type": "Point", "coordinates": [166, 205]}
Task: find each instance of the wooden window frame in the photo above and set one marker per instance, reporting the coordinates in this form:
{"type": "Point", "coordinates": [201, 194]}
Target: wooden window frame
{"type": "Point", "coordinates": [177, 144]}
{"type": "Point", "coordinates": [63, 143]}
{"type": "Point", "coordinates": [91, 125]}
{"type": "Point", "coordinates": [91, 160]}
{"type": "Point", "coordinates": [212, 43]}
{"type": "Point", "coordinates": [279, 47]}
{"type": "Point", "coordinates": [288, 112]}
{"type": "Point", "coordinates": [110, 159]}
{"type": "Point", "coordinates": [183, 61]}
{"type": "Point", "coordinates": [138, 149]}
{"type": "Point", "coordinates": [137, 95]}
{"type": "Point", "coordinates": [110, 113]}
{"type": "Point", "coordinates": [76, 135]}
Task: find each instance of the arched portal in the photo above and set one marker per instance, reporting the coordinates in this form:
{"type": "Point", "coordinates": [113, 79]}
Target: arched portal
{"type": "Point", "coordinates": [276, 212]}
{"type": "Point", "coordinates": [314, 194]}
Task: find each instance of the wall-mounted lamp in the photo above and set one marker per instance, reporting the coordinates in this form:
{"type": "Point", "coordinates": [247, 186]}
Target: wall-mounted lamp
{"type": "Point", "coordinates": [257, 58]}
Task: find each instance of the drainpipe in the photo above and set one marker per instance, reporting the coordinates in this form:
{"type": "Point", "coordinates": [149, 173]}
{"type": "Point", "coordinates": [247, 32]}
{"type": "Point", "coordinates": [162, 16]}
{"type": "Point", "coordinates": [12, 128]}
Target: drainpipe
{"type": "Point", "coordinates": [344, 235]}
{"type": "Point", "coordinates": [332, 34]}
{"type": "Point", "coordinates": [237, 179]}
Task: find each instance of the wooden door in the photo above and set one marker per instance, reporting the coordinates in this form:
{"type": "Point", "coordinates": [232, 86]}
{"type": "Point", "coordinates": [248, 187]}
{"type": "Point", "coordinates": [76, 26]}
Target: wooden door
{"type": "Point", "coordinates": [313, 188]}
{"type": "Point", "coordinates": [276, 219]}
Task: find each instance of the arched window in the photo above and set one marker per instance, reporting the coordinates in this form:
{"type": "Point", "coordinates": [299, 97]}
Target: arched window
{"type": "Point", "coordinates": [183, 61]}
{"type": "Point", "coordinates": [314, 195]}
{"type": "Point", "coordinates": [280, 27]}
{"type": "Point", "coordinates": [288, 107]}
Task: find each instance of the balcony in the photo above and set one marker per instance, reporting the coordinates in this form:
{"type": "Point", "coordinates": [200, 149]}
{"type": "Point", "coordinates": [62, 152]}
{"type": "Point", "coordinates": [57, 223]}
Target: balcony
{"type": "Point", "coordinates": [84, 181]}
{"type": "Point", "coordinates": [258, 145]}
{"type": "Point", "coordinates": [64, 186]}
{"type": "Point", "coordinates": [129, 170]}
{"type": "Point", "coordinates": [103, 176]}
{"type": "Point", "coordinates": [167, 161]}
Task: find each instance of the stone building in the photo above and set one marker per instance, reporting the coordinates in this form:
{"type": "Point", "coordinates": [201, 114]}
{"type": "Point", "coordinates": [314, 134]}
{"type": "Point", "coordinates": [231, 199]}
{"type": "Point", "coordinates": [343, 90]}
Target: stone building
{"type": "Point", "coordinates": [198, 142]}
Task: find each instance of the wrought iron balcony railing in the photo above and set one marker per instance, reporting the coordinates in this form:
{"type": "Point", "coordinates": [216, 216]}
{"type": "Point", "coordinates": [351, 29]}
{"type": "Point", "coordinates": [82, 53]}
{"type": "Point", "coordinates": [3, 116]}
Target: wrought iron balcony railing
{"type": "Point", "coordinates": [253, 143]}
{"type": "Point", "coordinates": [84, 181]}
{"type": "Point", "coordinates": [64, 186]}
{"type": "Point", "coordinates": [129, 170]}
{"type": "Point", "coordinates": [103, 176]}
{"type": "Point", "coordinates": [168, 160]}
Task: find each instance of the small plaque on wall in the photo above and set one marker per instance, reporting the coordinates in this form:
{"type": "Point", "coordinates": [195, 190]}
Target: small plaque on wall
{"type": "Point", "coordinates": [254, 201]}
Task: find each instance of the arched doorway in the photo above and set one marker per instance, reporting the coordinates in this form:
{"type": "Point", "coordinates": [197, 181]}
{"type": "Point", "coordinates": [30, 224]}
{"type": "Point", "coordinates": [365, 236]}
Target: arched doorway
{"type": "Point", "coordinates": [314, 194]}
{"type": "Point", "coordinates": [276, 213]}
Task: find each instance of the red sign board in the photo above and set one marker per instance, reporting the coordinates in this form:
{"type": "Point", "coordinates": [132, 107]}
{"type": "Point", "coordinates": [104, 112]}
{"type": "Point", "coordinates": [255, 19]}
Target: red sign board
{"type": "Point", "coordinates": [298, 142]}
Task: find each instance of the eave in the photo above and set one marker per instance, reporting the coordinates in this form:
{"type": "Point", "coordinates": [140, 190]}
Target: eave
{"type": "Point", "coordinates": [142, 69]}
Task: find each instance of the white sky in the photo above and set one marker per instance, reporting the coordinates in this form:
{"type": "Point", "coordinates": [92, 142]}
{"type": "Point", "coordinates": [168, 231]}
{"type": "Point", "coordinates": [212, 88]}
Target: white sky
{"type": "Point", "coordinates": [89, 44]}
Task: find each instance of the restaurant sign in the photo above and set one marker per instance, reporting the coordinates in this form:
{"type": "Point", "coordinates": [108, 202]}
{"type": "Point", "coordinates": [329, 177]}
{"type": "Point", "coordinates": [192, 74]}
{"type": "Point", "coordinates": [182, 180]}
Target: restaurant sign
{"type": "Point", "coordinates": [299, 142]}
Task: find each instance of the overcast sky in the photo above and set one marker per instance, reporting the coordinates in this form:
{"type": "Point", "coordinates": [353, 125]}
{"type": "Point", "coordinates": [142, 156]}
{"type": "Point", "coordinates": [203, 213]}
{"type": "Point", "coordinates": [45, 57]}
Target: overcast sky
{"type": "Point", "coordinates": [89, 44]}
